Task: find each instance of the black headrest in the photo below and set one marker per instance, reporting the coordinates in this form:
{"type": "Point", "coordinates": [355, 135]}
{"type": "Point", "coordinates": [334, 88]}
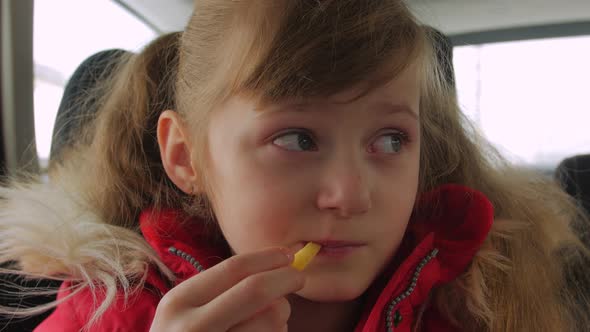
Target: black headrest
{"type": "Point", "coordinates": [72, 115]}
{"type": "Point", "coordinates": [574, 175]}
{"type": "Point", "coordinates": [444, 53]}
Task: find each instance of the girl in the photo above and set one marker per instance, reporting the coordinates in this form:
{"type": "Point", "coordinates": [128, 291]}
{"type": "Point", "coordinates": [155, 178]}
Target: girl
{"type": "Point", "coordinates": [220, 151]}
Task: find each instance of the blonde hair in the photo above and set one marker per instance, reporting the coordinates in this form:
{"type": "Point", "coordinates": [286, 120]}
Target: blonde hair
{"type": "Point", "coordinates": [274, 50]}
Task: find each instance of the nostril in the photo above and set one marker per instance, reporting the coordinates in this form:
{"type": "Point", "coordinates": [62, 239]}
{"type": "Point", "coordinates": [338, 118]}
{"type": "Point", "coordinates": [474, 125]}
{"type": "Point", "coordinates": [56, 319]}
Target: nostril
{"type": "Point", "coordinates": [344, 191]}
{"type": "Point", "coordinates": [345, 206]}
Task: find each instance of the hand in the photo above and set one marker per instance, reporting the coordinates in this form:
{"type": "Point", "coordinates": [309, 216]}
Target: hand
{"type": "Point", "coordinates": [241, 294]}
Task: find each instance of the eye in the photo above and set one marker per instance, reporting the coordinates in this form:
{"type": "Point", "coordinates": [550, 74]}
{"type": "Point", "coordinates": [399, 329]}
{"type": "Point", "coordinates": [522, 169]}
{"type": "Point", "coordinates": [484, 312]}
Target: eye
{"type": "Point", "coordinates": [295, 141]}
{"type": "Point", "coordinates": [389, 143]}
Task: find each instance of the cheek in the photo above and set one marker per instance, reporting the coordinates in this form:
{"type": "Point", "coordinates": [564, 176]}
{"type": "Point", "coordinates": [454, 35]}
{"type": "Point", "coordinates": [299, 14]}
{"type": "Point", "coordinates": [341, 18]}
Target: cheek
{"type": "Point", "coordinates": [257, 205]}
{"type": "Point", "coordinates": [396, 211]}
{"type": "Point", "coordinates": [395, 200]}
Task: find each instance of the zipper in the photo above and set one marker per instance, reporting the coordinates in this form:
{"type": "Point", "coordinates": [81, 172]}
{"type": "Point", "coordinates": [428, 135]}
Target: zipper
{"type": "Point", "coordinates": [392, 320]}
{"type": "Point", "coordinates": [187, 258]}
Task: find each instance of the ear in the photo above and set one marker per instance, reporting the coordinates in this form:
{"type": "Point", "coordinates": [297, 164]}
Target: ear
{"type": "Point", "coordinates": [175, 151]}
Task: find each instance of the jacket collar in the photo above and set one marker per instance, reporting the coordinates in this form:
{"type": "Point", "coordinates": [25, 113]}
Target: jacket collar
{"type": "Point", "coordinates": [184, 244]}
{"type": "Point", "coordinates": [440, 242]}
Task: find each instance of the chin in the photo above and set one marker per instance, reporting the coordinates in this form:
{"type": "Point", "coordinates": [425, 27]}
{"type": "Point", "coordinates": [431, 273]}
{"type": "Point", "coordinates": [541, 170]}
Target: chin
{"type": "Point", "coordinates": [332, 291]}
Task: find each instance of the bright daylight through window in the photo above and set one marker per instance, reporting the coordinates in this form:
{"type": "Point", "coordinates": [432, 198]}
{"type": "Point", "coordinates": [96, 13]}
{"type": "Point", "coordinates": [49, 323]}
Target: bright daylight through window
{"type": "Point", "coordinates": [66, 32]}
{"type": "Point", "coordinates": [529, 98]}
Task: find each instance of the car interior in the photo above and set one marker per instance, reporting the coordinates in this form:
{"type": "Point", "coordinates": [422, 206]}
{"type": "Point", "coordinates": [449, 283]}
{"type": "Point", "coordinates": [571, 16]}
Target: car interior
{"type": "Point", "coordinates": [481, 43]}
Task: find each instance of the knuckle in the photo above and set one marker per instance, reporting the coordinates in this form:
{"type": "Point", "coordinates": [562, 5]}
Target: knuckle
{"type": "Point", "coordinates": [200, 320]}
{"type": "Point", "coordinates": [177, 326]}
{"type": "Point", "coordinates": [172, 316]}
{"type": "Point", "coordinates": [197, 324]}
{"type": "Point", "coordinates": [167, 322]}
{"type": "Point", "coordinates": [256, 287]}
{"type": "Point", "coordinates": [298, 281]}
{"type": "Point", "coordinates": [281, 311]}
{"type": "Point", "coordinates": [235, 267]}
{"type": "Point", "coordinates": [301, 282]}
{"type": "Point", "coordinates": [275, 317]}
{"type": "Point", "coordinates": [293, 281]}
{"type": "Point", "coordinates": [168, 303]}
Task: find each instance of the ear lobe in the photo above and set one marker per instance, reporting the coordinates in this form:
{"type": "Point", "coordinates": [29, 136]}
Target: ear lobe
{"type": "Point", "coordinates": [175, 151]}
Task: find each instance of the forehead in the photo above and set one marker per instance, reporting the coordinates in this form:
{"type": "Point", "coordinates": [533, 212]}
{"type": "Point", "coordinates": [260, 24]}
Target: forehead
{"type": "Point", "coordinates": [403, 91]}
{"type": "Point", "coordinates": [406, 83]}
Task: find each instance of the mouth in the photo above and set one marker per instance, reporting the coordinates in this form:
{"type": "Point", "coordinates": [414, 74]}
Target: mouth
{"type": "Point", "coordinates": [339, 244]}
{"type": "Point", "coordinates": [336, 248]}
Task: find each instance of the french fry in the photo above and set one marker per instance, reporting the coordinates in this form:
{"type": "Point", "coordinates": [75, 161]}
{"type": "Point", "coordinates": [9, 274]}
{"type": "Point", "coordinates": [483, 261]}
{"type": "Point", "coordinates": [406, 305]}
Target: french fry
{"type": "Point", "coordinates": [304, 256]}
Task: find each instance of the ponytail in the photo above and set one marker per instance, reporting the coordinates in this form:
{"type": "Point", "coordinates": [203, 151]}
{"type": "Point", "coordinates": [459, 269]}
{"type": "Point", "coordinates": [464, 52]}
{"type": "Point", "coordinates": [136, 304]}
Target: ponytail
{"type": "Point", "coordinates": [96, 194]}
{"type": "Point", "coordinates": [128, 172]}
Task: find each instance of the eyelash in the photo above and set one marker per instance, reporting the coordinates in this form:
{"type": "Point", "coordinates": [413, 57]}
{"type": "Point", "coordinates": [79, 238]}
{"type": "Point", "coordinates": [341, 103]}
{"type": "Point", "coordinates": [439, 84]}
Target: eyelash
{"type": "Point", "coordinates": [401, 135]}
{"type": "Point", "coordinates": [295, 131]}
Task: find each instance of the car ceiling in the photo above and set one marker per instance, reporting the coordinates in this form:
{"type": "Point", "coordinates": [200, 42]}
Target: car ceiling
{"type": "Point", "coordinates": [453, 17]}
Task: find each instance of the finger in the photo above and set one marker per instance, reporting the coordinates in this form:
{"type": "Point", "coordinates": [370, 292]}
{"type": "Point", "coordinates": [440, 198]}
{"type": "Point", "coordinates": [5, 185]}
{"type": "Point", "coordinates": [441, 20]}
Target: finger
{"type": "Point", "coordinates": [207, 285]}
{"type": "Point", "coordinates": [253, 295]}
{"type": "Point", "coordinates": [273, 319]}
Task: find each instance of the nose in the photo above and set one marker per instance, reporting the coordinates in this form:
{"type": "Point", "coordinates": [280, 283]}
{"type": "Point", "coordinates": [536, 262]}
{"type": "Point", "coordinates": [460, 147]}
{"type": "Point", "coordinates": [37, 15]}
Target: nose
{"type": "Point", "coordinates": [344, 191]}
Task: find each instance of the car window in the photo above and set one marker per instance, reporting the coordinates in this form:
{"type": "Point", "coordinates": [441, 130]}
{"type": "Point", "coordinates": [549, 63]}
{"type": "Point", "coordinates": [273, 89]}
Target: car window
{"type": "Point", "coordinates": [529, 98]}
{"type": "Point", "coordinates": [65, 33]}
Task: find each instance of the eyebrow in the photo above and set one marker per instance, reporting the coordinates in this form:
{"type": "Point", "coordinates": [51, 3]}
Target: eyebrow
{"type": "Point", "coordinates": [382, 108]}
{"type": "Point", "coordinates": [387, 108]}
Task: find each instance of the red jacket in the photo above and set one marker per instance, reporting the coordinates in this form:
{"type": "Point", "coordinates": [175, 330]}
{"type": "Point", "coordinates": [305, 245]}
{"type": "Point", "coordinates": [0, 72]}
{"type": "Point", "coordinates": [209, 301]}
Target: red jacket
{"type": "Point", "coordinates": [435, 251]}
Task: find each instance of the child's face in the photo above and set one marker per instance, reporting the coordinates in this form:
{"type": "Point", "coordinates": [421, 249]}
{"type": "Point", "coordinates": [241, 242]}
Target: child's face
{"type": "Point", "coordinates": [320, 172]}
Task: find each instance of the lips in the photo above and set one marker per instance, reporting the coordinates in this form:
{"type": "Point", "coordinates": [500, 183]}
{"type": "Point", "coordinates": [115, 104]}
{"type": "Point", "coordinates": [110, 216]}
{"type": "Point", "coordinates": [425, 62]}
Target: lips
{"type": "Point", "coordinates": [329, 244]}
{"type": "Point", "coordinates": [335, 248]}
